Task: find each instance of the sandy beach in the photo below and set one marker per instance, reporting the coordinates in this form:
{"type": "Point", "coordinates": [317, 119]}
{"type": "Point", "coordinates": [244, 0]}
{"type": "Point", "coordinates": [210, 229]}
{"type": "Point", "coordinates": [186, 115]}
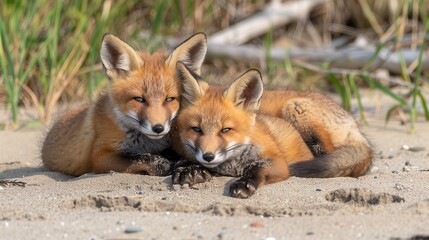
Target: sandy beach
{"type": "Point", "coordinates": [390, 202]}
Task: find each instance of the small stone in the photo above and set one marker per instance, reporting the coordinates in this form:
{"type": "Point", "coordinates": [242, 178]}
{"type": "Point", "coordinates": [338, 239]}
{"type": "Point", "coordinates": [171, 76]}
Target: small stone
{"type": "Point", "coordinates": [395, 172]}
{"type": "Point", "coordinates": [133, 229]}
{"type": "Point", "coordinates": [406, 169]}
{"type": "Point", "coordinates": [257, 224]}
{"type": "Point", "coordinates": [375, 177]}
{"type": "Point", "coordinates": [374, 169]}
{"type": "Point", "coordinates": [1, 188]}
{"type": "Point", "coordinates": [163, 198]}
{"type": "Point", "coordinates": [390, 157]}
{"type": "Point", "coordinates": [405, 147]}
{"type": "Point", "coordinates": [318, 190]}
{"type": "Point", "coordinates": [309, 233]}
{"type": "Point", "coordinates": [175, 228]}
{"type": "Point", "coordinates": [120, 222]}
{"type": "Point", "coordinates": [407, 163]}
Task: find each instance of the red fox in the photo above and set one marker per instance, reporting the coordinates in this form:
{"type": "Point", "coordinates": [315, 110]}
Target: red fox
{"type": "Point", "coordinates": [306, 135]}
{"type": "Point", "coordinates": [132, 118]}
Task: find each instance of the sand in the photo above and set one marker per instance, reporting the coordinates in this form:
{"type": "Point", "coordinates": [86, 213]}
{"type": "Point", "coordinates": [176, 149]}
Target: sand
{"type": "Point", "coordinates": [390, 202]}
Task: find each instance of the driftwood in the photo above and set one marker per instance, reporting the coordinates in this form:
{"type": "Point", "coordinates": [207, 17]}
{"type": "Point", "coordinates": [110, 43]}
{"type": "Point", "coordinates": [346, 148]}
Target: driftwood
{"type": "Point", "coordinates": [351, 57]}
{"type": "Point", "coordinates": [274, 15]}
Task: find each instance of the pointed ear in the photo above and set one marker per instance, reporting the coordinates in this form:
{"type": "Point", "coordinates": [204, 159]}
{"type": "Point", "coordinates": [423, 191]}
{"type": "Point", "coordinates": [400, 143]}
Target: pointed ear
{"type": "Point", "coordinates": [191, 89]}
{"type": "Point", "coordinates": [191, 52]}
{"type": "Point", "coordinates": [246, 91]}
{"type": "Point", "coordinates": [117, 56]}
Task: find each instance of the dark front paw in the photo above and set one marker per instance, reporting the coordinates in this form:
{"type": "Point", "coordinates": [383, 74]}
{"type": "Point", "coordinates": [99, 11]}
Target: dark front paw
{"type": "Point", "coordinates": [242, 188]}
{"type": "Point", "coordinates": [156, 165]}
{"type": "Point", "coordinates": [191, 175]}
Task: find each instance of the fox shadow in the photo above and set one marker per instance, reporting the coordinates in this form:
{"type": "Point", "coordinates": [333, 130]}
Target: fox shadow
{"type": "Point", "coordinates": [22, 172]}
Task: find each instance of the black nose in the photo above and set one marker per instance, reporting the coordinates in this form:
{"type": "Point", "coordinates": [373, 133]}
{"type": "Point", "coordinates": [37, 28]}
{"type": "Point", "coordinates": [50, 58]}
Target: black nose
{"type": "Point", "coordinates": [208, 156]}
{"type": "Point", "coordinates": [158, 128]}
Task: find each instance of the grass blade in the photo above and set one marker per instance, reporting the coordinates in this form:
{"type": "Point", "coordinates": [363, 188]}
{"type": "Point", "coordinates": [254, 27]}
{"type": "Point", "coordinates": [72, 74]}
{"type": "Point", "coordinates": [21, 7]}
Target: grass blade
{"type": "Point", "coordinates": [356, 92]}
{"type": "Point", "coordinates": [424, 105]}
{"type": "Point", "coordinates": [384, 90]}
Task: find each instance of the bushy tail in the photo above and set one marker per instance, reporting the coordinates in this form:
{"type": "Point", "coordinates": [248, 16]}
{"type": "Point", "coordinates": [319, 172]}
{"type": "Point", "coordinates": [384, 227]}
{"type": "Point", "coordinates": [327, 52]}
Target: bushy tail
{"type": "Point", "coordinates": [345, 161]}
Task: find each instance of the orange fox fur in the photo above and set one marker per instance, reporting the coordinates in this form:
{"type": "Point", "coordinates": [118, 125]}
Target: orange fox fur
{"type": "Point", "coordinates": [304, 134]}
{"type": "Point", "coordinates": [132, 118]}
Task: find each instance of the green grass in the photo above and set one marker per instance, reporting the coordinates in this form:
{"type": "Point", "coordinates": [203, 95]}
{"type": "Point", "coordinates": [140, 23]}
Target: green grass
{"type": "Point", "coordinates": [49, 50]}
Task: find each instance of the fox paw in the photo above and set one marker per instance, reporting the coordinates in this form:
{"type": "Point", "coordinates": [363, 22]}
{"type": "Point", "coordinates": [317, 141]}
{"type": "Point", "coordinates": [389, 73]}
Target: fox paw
{"type": "Point", "coordinates": [161, 167]}
{"type": "Point", "coordinates": [242, 188]}
{"type": "Point", "coordinates": [191, 175]}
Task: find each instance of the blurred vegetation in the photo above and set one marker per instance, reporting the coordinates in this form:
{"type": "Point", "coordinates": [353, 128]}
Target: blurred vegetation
{"type": "Point", "coordinates": [49, 50]}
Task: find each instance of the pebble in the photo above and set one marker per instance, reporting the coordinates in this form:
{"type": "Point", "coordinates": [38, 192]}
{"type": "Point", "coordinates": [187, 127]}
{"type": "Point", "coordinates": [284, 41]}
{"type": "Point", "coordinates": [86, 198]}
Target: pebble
{"type": "Point", "coordinates": [1, 188]}
{"type": "Point", "coordinates": [120, 222]}
{"type": "Point", "coordinates": [133, 229]}
{"type": "Point", "coordinates": [407, 163]}
{"type": "Point", "coordinates": [257, 224]}
{"type": "Point", "coordinates": [318, 190]}
{"type": "Point", "coordinates": [395, 172]}
{"type": "Point", "coordinates": [374, 169]}
{"type": "Point", "coordinates": [309, 233]}
{"type": "Point", "coordinates": [406, 169]}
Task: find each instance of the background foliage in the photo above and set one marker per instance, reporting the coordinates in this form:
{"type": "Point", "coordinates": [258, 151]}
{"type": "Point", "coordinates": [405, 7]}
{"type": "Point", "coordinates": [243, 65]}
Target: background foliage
{"type": "Point", "coordinates": [49, 50]}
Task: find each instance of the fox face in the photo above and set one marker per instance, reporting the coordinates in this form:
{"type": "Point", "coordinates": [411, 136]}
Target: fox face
{"type": "Point", "coordinates": [214, 123]}
{"type": "Point", "coordinates": [145, 92]}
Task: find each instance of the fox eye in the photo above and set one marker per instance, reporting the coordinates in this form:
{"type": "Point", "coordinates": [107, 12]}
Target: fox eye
{"type": "Point", "coordinates": [225, 130]}
{"type": "Point", "coordinates": [197, 129]}
{"type": "Point", "coordinates": [140, 99]}
{"type": "Point", "coordinates": [170, 99]}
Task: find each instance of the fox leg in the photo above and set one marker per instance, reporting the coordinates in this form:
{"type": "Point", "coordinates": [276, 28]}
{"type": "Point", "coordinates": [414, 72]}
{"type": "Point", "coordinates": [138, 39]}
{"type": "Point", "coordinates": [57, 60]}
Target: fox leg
{"type": "Point", "coordinates": [258, 175]}
{"type": "Point", "coordinates": [300, 113]}
{"type": "Point", "coordinates": [154, 166]}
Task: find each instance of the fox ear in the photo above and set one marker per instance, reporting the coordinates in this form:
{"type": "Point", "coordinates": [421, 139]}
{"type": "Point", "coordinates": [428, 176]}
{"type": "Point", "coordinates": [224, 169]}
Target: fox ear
{"type": "Point", "coordinates": [191, 88]}
{"type": "Point", "coordinates": [117, 56]}
{"type": "Point", "coordinates": [191, 52]}
{"type": "Point", "coordinates": [246, 91]}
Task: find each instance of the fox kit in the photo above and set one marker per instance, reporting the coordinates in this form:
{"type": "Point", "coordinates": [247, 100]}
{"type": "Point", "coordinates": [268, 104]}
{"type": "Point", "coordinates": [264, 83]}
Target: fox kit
{"type": "Point", "coordinates": [217, 125]}
{"type": "Point", "coordinates": [131, 119]}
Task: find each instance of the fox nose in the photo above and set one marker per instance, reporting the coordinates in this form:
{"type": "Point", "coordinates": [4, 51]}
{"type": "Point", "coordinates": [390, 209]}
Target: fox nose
{"type": "Point", "coordinates": [158, 128]}
{"type": "Point", "coordinates": [208, 156]}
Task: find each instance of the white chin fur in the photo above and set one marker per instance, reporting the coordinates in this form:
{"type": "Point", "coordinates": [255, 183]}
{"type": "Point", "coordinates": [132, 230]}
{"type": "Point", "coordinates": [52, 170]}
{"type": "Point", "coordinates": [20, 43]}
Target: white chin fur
{"type": "Point", "coordinates": [155, 137]}
{"type": "Point", "coordinates": [210, 165]}
{"type": "Point", "coordinates": [152, 135]}
{"type": "Point", "coordinates": [219, 158]}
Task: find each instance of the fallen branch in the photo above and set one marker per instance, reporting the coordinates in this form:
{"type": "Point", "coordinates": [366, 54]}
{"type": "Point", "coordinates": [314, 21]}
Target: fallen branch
{"type": "Point", "coordinates": [350, 57]}
{"type": "Point", "coordinates": [275, 14]}
{"type": "Point", "coordinates": [342, 71]}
